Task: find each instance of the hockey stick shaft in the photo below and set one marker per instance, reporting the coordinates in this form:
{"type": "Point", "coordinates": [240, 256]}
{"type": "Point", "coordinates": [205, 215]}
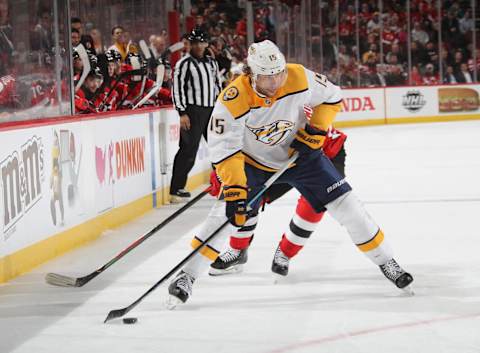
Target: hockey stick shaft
{"type": "Point", "coordinates": [60, 280]}
{"type": "Point", "coordinates": [121, 312]}
{"type": "Point", "coordinates": [153, 91]}
{"type": "Point", "coordinates": [86, 65]}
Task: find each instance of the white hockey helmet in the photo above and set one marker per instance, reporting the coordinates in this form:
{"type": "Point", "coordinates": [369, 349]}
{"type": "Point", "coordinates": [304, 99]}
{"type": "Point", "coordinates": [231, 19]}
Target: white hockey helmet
{"type": "Point", "coordinates": [264, 58]}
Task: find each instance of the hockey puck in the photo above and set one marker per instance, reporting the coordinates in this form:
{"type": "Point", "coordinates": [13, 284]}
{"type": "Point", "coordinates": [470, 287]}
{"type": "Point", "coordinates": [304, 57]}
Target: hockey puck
{"type": "Point", "coordinates": [130, 320]}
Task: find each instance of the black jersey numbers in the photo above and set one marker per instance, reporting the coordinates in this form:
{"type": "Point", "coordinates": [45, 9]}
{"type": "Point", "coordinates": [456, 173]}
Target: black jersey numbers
{"type": "Point", "coordinates": [321, 79]}
{"type": "Point", "coordinates": [217, 125]}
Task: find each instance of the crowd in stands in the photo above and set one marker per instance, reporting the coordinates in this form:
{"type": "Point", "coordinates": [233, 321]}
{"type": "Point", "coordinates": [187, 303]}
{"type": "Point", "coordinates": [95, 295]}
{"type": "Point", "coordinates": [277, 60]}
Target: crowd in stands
{"type": "Point", "coordinates": [121, 74]}
{"type": "Point", "coordinates": [383, 43]}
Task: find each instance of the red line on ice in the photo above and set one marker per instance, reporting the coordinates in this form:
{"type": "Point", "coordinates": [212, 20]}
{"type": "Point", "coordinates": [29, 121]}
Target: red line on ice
{"type": "Point", "coordinates": [365, 332]}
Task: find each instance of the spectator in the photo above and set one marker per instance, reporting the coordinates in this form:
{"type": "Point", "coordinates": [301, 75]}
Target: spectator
{"type": "Point", "coordinates": [200, 23]}
{"type": "Point", "coordinates": [241, 28]}
{"type": "Point", "coordinates": [345, 30]}
{"type": "Point", "coordinates": [75, 37]}
{"type": "Point", "coordinates": [344, 58]}
{"type": "Point", "coordinates": [186, 45]}
{"type": "Point", "coordinates": [119, 41]}
{"type": "Point", "coordinates": [371, 53]}
{"type": "Point", "coordinates": [471, 65]}
{"type": "Point", "coordinates": [365, 14]}
{"type": "Point", "coordinates": [43, 31]}
{"type": "Point", "coordinates": [373, 26]}
{"type": "Point", "coordinates": [333, 75]}
{"type": "Point", "coordinates": [158, 46]}
{"type": "Point", "coordinates": [466, 23]}
{"type": "Point", "coordinates": [395, 50]}
{"type": "Point", "coordinates": [6, 35]}
{"type": "Point", "coordinates": [463, 76]}
{"type": "Point", "coordinates": [457, 60]}
{"type": "Point", "coordinates": [87, 42]}
{"type": "Point", "coordinates": [430, 77]}
{"type": "Point", "coordinates": [419, 35]}
{"type": "Point", "coordinates": [395, 76]}
{"type": "Point", "coordinates": [449, 76]}
{"type": "Point", "coordinates": [97, 40]}
{"type": "Point", "coordinates": [450, 28]}
{"type": "Point", "coordinates": [431, 55]}
{"type": "Point", "coordinates": [218, 50]}
{"type": "Point", "coordinates": [416, 77]}
{"type": "Point", "coordinates": [77, 24]}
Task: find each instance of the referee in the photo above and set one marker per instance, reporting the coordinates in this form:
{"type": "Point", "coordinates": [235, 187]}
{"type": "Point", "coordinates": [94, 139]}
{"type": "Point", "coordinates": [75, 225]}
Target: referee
{"type": "Point", "coordinates": [196, 85]}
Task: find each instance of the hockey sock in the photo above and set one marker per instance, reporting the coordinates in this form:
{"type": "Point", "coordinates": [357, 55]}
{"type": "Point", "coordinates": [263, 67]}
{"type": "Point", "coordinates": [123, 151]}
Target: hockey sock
{"type": "Point", "coordinates": [244, 236]}
{"type": "Point", "coordinates": [363, 230]}
{"type": "Point", "coordinates": [301, 227]}
{"type": "Point", "coordinates": [199, 264]}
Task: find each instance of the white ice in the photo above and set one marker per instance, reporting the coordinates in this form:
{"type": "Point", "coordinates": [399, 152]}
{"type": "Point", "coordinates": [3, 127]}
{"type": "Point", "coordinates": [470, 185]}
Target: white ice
{"type": "Point", "coordinates": [420, 183]}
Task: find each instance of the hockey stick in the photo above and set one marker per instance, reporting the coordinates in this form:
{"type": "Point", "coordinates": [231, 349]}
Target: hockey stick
{"type": "Point", "coordinates": [172, 49]}
{"type": "Point", "coordinates": [155, 88]}
{"type": "Point", "coordinates": [86, 65]}
{"type": "Point", "coordinates": [66, 281]}
{"type": "Point", "coordinates": [117, 313]}
{"type": "Point", "coordinates": [160, 72]}
{"type": "Point", "coordinates": [145, 49]}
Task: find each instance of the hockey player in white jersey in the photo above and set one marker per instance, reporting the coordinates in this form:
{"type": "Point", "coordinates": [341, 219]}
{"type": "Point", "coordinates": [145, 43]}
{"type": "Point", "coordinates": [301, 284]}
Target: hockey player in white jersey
{"type": "Point", "coordinates": [256, 124]}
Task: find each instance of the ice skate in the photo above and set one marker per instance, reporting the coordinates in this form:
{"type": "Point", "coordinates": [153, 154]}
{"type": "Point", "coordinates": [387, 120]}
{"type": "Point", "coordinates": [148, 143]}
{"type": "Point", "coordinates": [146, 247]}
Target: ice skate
{"type": "Point", "coordinates": [280, 262]}
{"type": "Point", "coordinates": [230, 261]}
{"type": "Point", "coordinates": [179, 290]}
{"type": "Point", "coordinates": [398, 276]}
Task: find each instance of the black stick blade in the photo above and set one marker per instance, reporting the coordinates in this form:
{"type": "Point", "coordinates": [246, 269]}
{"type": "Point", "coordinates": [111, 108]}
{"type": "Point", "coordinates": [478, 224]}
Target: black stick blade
{"type": "Point", "coordinates": [61, 280]}
{"type": "Point", "coordinates": [115, 314]}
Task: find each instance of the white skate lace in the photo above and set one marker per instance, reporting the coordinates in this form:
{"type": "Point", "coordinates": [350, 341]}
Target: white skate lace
{"type": "Point", "coordinates": [230, 255]}
{"type": "Point", "coordinates": [392, 270]}
{"type": "Point", "coordinates": [280, 258]}
{"type": "Point", "coordinates": [185, 282]}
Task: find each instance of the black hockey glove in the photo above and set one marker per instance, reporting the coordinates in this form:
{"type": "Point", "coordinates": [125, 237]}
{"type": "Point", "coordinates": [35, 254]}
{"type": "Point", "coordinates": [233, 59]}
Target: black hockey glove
{"type": "Point", "coordinates": [236, 209]}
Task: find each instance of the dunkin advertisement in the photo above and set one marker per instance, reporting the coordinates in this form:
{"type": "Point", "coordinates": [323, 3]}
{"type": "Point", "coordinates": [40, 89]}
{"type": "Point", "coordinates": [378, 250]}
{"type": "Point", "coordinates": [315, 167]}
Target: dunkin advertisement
{"type": "Point", "coordinates": [121, 161]}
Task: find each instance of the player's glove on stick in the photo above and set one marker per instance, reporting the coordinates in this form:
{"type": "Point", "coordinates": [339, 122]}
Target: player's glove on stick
{"type": "Point", "coordinates": [308, 140]}
{"type": "Point", "coordinates": [235, 197]}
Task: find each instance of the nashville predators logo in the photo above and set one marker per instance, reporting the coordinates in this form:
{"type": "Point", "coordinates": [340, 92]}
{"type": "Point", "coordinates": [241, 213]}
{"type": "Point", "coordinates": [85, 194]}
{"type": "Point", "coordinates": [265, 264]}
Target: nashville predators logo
{"type": "Point", "coordinates": [274, 133]}
{"type": "Point", "coordinates": [230, 94]}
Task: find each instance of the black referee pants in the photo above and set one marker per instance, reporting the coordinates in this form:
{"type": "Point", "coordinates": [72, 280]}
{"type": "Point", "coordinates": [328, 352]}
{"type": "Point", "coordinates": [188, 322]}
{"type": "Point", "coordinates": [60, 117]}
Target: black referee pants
{"type": "Point", "coordinates": [189, 142]}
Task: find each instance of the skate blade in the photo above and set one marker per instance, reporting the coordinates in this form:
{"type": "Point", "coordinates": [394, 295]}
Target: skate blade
{"type": "Point", "coordinates": [232, 270]}
{"type": "Point", "coordinates": [408, 290]}
{"type": "Point", "coordinates": [172, 302]}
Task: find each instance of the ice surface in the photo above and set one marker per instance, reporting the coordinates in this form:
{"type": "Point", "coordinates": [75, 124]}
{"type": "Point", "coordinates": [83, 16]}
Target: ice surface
{"type": "Point", "coordinates": [420, 182]}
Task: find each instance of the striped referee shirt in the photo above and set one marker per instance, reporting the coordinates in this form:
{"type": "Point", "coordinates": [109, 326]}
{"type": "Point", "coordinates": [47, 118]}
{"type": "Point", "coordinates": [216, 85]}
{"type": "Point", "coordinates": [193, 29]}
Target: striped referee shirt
{"type": "Point", "coordinates": [195, 82]}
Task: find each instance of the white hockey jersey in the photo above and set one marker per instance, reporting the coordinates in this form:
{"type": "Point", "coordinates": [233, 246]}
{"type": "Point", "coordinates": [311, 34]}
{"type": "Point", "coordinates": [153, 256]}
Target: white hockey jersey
{"type": "Point", "coordinates": [247, 128]}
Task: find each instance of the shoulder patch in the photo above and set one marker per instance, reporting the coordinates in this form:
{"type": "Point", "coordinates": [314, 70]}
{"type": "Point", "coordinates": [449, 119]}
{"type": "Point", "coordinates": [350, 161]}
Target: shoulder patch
{"type": "Point", "coordinates": [230, 94]}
